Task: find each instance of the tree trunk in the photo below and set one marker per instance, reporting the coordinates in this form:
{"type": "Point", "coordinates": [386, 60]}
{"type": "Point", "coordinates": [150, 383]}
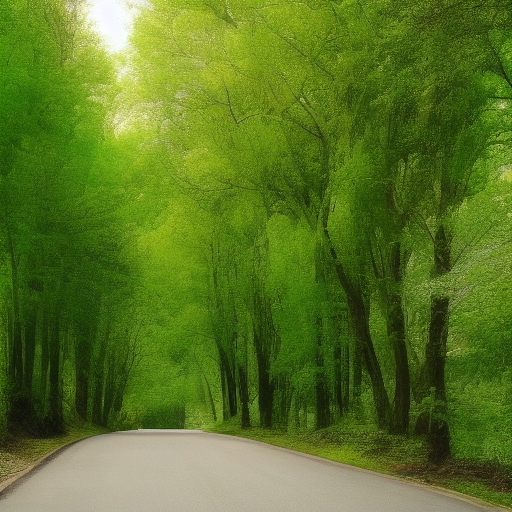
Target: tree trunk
{"type": "Point", "coordinates": [338, 384]}
{"type": "Point", "coordinates": [223, 386]}
{"type": "Point", "coordinates": [45, 360]}
{"type": "Point", "coordinates": [345, 376]}
{"type": "Point", "coordinates": [30, 349]}
{"type": "Point", "coordinates": [323, 413]}
{"type": "Point", "coordinates": [16, 347]}
{"type": "Point", "coordinates": [396, 333]}
{"type": "Point", "coordinates": [26, 402]}
{"type": "Point", "coordinates": [357, 370]}
{"type": "Point", "coordinates": [55, 417]}
{"type": "Point", "coordinates": [322, 395]}
{"type": "Point", "coordinates": [265, 344]}
{"type": "Point", "coordinates": [108, 398]}
{"type": "Point", "coordinates": [402, 401]}
{"type": "Point", "coordinates": [228, 380]}
{"type": "Point", "coordinates": [296, 411]}
{"type": "Point", "coordinates": [99, 378]}
{"type": "Point", "coordinates": [244, 396]}
{"type": "Point", "coordinates": [10, 345]}
{"type": "Point", "coordinates": [266, 387]}
{"type": "Point", "coordinates": [341, 366]}
{"type": "Point", "coordinates": [435, 354]}
{"type": "Point", "coordinates": [16, 356]}
{"type": "Point", "coordinates": [283, 401]}
{"type": "Point", "coordinates": [82, 370]}
{"type": "Point", "coordinates": [117, 404]}
{"type": "Point", "coordinates": [360, 321]}
{"type": "Point", "coordinates": [210, 397]}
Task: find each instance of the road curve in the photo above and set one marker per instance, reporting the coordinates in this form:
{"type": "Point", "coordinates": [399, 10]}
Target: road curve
{"type": "Point", "coordinates": [182, 471]}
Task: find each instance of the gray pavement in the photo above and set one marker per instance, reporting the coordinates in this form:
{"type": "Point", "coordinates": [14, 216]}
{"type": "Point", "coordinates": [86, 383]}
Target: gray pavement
{"type": "Point", "coordinates": [181, 471]}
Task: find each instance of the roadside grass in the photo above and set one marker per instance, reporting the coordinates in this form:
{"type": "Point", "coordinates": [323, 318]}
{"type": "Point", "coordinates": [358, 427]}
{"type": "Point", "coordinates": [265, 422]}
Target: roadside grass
{"type": "Point", "coordinates": [398, 456]}
{"type": "Point", "coordinates": [17, 452]}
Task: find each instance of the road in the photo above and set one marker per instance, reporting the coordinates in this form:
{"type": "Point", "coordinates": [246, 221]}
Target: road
{"type": "Point", "coordinates": [181, 471]}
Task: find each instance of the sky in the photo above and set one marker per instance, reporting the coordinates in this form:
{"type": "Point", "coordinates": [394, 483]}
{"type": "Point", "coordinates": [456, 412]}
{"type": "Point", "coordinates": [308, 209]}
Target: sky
{"type": "Point", "coordinates": [112, 20]}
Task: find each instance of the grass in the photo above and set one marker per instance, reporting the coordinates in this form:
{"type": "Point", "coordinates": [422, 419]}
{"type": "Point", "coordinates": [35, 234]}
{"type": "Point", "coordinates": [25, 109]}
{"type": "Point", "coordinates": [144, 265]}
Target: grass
{"type": "Point", "coordinates": [21, 451]}
{"type": "Point", "coordinates": [399, 456]}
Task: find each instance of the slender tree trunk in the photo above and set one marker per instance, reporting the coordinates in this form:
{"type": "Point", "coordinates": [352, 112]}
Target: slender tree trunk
{"type": "Point", "coordinates": [244, 396]}
{"type": "Point", "coordinates": [396, 333]}
{"type": "Point", "coordinates": [266, 387]}
{"type": "Point", "coordinates": [10, 346]}
{"type": "Point", "coordinates": [107, 404]}
{"type": "Point", "coordinates": [117, 403]}
{"type": "Point", "coordinates": [338, 384]}
{"type": "Point", "coordinates": [323, 413]}
{"type": "Point", "coordinates": [25, 403]}
{"type": "Point", "coordinates": [345, 375]}
{"type": "Point", "coordinates": [357, 370]}
{"type": "Point", "coordinates": [21, 410]}
{"type": "Point", "coordinates": [265, 343]}
{"type": "Point", "coordinates": [341, 366]}
{"type": "Point", "coordinates": [99, 378]}
{"type": "Point", "coordinates": [16, 359]}
{"type": "Point", "coordinates": [223, 386]}
{"type": "Point", "coordinates": [296, 411]}
{"type": "Point", "coordinates": [82, 370]}
{"type": "Point", "coordinates": [282, 401]}
{"type": "Point", "coordinates": [210, 397]}
{"type": "Point", "coordinates": [228, 385]}
{"type": "Point", "coordinates": [232, 394]}
{"type": "Point", "coordinates": [110, 386]}
{"type": "Point", "coordinates": [45, 360]}
{"type": "Point", "coordinates": [435, 354]}
{"type": "Point", "coordinates": [402, 401]}
{"type": "Point", "coordinates": [56, 422]}
{"type": "Point", "coordinates": [3, 382]}
{"type": "Point", "coordinates": [30, 350]}
{"type": "Point", "coordinates": [16, 355]}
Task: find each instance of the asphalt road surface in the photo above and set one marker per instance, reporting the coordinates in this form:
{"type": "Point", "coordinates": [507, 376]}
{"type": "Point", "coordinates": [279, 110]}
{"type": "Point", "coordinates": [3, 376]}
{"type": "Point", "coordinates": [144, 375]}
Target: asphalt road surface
{"type": "Point", "coordinates": [181, 471]}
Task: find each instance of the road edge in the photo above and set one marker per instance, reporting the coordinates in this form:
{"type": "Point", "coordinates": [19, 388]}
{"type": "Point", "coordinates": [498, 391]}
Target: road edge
{"type": "Point", "coordinates": [11, 483]}
{"type": "Point", "coordinates": [486, 506]}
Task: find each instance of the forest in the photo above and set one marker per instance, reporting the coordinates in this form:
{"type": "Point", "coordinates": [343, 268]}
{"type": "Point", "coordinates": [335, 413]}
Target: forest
{"type": "Point", "coordinates": [286, 214]}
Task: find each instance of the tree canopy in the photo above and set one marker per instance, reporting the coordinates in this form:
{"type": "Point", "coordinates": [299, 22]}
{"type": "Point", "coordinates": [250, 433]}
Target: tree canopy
{"type": "Point", "coordinates": [289, 213]}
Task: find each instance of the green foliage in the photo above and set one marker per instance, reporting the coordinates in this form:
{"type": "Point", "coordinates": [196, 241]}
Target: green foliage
{"type": "Point", "coordinates": [292, 212]}
{"type": "Point", "coordinates": [365, 120]}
